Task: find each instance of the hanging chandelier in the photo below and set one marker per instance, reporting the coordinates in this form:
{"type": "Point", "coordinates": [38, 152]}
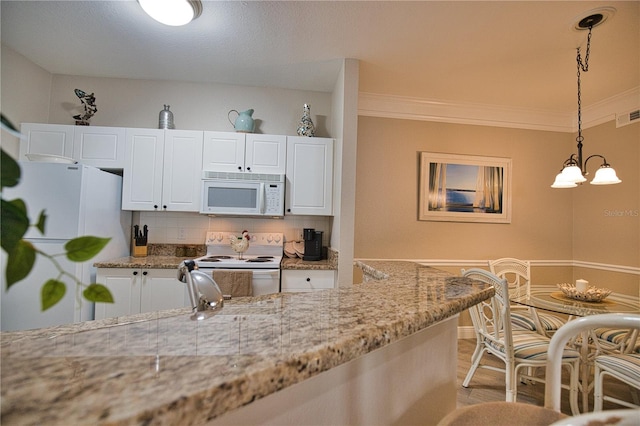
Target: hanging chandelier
{"type": "Point", "coordinates": [574, 169]}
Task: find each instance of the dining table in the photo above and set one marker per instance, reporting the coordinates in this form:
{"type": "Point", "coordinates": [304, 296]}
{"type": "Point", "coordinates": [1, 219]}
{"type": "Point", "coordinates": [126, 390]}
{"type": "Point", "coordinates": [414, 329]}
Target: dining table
{"type": "Point", "coordinates": [550, 298]}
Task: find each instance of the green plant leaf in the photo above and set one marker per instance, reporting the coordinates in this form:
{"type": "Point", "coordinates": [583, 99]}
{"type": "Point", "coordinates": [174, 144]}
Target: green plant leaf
{"type": "Point", "coordinates": [84, 248]}
{"type": "Point", "coordinates": [9, 171]}
{"type": "Point", "coordinates": [52, 292]}
{"type": "Point", "coordinates": [42, 220]}
{"type": "Point", "coordinates": [98, 293]}
{"type": "Point", "coordinates": [20, 262]}
{"type": "Point", "coordinates": [14, 223]}
{"type": "Point", "coordinates": [7, 123]}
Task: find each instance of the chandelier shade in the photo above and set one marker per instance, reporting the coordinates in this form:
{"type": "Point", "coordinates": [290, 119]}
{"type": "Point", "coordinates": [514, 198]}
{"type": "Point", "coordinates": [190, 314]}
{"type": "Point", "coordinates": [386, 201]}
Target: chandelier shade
{"type": "Point", "coordinates": [605, 175]}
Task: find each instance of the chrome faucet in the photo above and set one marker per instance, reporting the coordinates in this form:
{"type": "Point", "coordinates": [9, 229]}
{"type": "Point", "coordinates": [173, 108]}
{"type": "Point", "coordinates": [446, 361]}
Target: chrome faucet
{"type": "Point", "coordinates": [204, 293]}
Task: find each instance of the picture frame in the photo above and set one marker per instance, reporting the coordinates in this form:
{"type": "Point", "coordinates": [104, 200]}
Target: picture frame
{"type": "Point", "coordinates": [464, 188]}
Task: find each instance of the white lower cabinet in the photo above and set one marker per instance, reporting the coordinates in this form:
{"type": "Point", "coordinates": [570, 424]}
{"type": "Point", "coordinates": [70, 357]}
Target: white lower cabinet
{"type": "Point", "coordinates": [297, 280]}
{"type": "Point", "coordinates": [137, 290]}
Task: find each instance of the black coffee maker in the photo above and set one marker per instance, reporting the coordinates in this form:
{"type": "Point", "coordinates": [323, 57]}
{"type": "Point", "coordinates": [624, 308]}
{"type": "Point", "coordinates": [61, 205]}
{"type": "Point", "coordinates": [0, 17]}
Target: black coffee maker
{"type": "Point", "coordinates": [312, 244]}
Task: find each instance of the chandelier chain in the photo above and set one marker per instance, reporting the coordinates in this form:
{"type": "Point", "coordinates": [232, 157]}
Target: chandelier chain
{"type": "Point", "coordinates": [582, 66]}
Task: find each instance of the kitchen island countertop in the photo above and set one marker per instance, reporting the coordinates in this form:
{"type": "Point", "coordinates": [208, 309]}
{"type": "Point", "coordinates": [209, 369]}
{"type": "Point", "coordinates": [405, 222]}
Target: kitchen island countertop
{"type": "Point", "coordinates": [163, 368]}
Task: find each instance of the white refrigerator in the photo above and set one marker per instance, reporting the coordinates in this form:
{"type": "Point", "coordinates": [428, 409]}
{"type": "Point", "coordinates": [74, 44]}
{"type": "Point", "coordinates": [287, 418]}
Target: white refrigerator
{"type": "Point", "coordinates": [79, 200]}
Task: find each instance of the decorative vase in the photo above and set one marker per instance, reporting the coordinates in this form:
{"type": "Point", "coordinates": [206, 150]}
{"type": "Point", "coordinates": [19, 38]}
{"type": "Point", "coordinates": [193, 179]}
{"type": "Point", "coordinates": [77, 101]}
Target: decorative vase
{"type": "Point", "coordinates": [244, 121]}
{"type": "Point", "coordinates": [306, 127]}
{"type": "Point", "coordinates": [165, 121]}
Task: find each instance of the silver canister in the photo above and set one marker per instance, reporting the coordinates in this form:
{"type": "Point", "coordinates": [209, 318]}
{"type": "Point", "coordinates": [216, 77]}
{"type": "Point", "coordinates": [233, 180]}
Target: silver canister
{"type": "Point", "coordinates": [166, 119]}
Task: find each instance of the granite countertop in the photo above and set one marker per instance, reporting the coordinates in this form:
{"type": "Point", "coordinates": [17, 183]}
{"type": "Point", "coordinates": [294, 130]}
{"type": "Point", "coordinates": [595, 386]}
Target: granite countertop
{"type": "Point", "coordinates": [163, 368]}
{"type": "Point", "coordinates": [151, 262]}
{"type": "Point", "coordinates": [297, 263]}
{"type": "Point", "coordinates": [172, 262]}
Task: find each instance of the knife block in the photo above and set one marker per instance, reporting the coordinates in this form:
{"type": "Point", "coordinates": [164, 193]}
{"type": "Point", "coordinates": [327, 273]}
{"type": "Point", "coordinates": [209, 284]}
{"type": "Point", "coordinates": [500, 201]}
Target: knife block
{"type": "Point", "coordinates": [139, 251]}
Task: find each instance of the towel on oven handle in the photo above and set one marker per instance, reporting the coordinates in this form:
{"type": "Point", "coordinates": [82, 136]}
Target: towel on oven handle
{"type": "Point", "coordinates": [234, 283]}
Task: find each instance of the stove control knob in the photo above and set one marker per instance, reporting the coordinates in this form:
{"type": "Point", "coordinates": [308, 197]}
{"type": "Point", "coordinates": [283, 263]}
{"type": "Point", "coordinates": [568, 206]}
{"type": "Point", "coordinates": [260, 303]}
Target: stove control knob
{"type": "Point", "coordinates": [219, 236]}
{"type": "Point", "coordinates": [269, 238]}
{"type": "Point", "coordinates": [277, 238]}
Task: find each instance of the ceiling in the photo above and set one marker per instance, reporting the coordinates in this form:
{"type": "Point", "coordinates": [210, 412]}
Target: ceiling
{"type": "Point", "coordinates": [508, 53]}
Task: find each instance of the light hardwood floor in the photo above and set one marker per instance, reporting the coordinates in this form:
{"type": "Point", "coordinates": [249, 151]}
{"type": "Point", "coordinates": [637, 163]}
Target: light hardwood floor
{"type": "Point", "coordinates": [488, 385]}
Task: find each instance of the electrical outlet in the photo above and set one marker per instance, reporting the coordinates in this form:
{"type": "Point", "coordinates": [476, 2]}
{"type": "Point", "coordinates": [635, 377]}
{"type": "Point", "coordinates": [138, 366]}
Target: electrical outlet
{"type": "Point", "coordinates": [182, 234]}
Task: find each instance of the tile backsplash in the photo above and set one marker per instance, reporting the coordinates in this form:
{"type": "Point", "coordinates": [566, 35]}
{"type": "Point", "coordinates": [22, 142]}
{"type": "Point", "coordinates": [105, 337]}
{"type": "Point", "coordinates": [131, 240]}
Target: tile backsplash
{"type": "Point", "coordinates": [191, 228]}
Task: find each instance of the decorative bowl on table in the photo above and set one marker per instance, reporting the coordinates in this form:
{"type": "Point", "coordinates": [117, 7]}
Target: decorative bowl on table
{"type": "Point", "coordinates": [593, 294]}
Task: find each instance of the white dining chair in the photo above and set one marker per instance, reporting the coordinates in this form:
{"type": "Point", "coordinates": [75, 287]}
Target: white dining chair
{"type": "Point", "coordinates": [518, 349]}
{"type": "Point", "coordinates": [516, 413]}
{"type": "Point", "coordinates": [569, 331]}
{"type": "Point", "coordinates": [518, 275]}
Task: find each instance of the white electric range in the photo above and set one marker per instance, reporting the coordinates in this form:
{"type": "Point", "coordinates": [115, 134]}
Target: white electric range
{"type": "Point", "coordinates": [262, 257]}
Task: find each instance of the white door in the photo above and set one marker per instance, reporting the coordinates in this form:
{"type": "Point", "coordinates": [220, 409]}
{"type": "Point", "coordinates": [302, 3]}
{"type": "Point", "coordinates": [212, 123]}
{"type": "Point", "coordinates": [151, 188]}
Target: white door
{"type": "Point", "coordinates": [125, 286]}
{"type": "Point", "coordinates": [50, 139]}
{"type": "Point", "coordinates": [161, 290]}
{"type": "Point", "coordinates": [223, 151]}
{"type": "Point", "coordinates": [101, 147]}
{"type": "Point", "coordinates": [21, 303]}
{"type": "Point", "coordinates": [309, 188]}
{"type": "Point", "coordinates": [266, 154]}
{"type": "Point", "coordinates": [142, 178]}
{"type": "Point", "coordinates": [181, 182]}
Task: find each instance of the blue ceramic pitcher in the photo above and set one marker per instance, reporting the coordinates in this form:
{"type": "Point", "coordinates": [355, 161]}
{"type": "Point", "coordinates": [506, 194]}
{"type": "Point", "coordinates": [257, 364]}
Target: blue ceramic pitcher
{"type": "Point", "coordinates": [244, 121]}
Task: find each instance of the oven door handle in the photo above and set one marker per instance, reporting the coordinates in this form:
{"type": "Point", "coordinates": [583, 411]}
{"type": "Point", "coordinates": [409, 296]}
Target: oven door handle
{"type": "Point", "coordinates": [256, 272]}
{"type": "Point", "coordinates": [262, 272]}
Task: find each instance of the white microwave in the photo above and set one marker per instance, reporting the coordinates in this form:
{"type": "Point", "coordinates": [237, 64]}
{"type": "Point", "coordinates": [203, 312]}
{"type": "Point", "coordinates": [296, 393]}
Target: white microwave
{"type": "Point", "coordinates": [242, 194]}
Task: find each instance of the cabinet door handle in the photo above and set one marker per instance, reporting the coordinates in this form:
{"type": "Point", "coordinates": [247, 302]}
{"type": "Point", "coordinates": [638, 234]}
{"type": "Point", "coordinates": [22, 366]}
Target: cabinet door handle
{"type": "Point", "coordinates": [135, 272]}
{"type": "Point", "coordinates": [308, 279]}
{"type": "Point", "coordinates": [248, 169]}
{"type": "Point", "coordinates": [239, 168]}
{"type": "Point", "coordinates": [155, 206]}
{"type": "Point", "coordinates": [145, 273]}
{"type": "Point", "coordinates": [164, 207]}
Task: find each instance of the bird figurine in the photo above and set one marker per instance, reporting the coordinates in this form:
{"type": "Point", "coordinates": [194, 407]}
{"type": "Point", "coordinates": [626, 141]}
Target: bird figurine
{"type": "Point", "coordinates": [89, 104]}
{"type": "Point", "coordinates": [240, 244]}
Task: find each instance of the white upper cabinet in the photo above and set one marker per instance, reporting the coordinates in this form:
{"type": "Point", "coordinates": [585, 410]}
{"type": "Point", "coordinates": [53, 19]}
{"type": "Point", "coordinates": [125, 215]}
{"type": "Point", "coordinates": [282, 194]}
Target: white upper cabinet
{"type": "Point", "coordinates": [99, 146]}
{"type": "Point", "coordinates": [162, 170]}
{"type": "Point", "coordinates": [48, 139]}
{"type": "Point", "coordinates": [96, 146]}
{"type": "Point", "coordinates": [244, 152]}
{"type": "Point", "coordinates": [265, 154]}
{"type": "Point", "coordinates": [309, 187]}
{"type": "Point", "coordinates": [181, 182]}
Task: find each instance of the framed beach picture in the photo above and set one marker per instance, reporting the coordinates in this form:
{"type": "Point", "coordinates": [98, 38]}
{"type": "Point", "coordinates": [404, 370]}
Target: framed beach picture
{"type": "Point", "coordinates": [464, 188]}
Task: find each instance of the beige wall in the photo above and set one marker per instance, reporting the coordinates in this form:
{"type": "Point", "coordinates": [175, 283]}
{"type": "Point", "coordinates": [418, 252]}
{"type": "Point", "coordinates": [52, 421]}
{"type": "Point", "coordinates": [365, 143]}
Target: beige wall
{"type": "Point", "coordinates": [387, 193]}
{"type": "Point", "coordinates": [25, 94]}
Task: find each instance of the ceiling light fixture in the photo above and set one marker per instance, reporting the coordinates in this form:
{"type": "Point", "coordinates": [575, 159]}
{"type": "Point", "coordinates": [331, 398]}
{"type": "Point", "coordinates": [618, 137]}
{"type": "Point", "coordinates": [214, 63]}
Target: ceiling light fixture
{"type": "Point", "coordinates": [172, 12]}
{"type": "Point", "coordinates": [574, 169]}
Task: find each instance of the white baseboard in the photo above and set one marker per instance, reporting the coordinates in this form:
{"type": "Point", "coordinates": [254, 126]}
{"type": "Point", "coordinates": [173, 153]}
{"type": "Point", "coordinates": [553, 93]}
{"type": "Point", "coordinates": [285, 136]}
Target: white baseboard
{"type": "Point", "coordinates": [466, 332]}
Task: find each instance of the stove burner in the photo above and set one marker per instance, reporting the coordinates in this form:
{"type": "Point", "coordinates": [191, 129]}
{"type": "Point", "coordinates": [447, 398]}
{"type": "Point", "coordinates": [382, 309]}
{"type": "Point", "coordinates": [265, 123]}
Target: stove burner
{"type": "Point", "coordinates": [217, 257]}
{"type": "Point", "coordinates": [261, 259]}
{"type": "Point", "coordinates": [208, 259]}
{"type": "Point", "coordinates": [264, 257]}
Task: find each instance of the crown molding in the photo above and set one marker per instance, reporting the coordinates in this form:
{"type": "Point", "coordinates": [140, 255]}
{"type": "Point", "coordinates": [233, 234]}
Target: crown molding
{"type": "Point", "coordinates": [408, 108]}
{"type": "Point", "coordinates": [607, 109]}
